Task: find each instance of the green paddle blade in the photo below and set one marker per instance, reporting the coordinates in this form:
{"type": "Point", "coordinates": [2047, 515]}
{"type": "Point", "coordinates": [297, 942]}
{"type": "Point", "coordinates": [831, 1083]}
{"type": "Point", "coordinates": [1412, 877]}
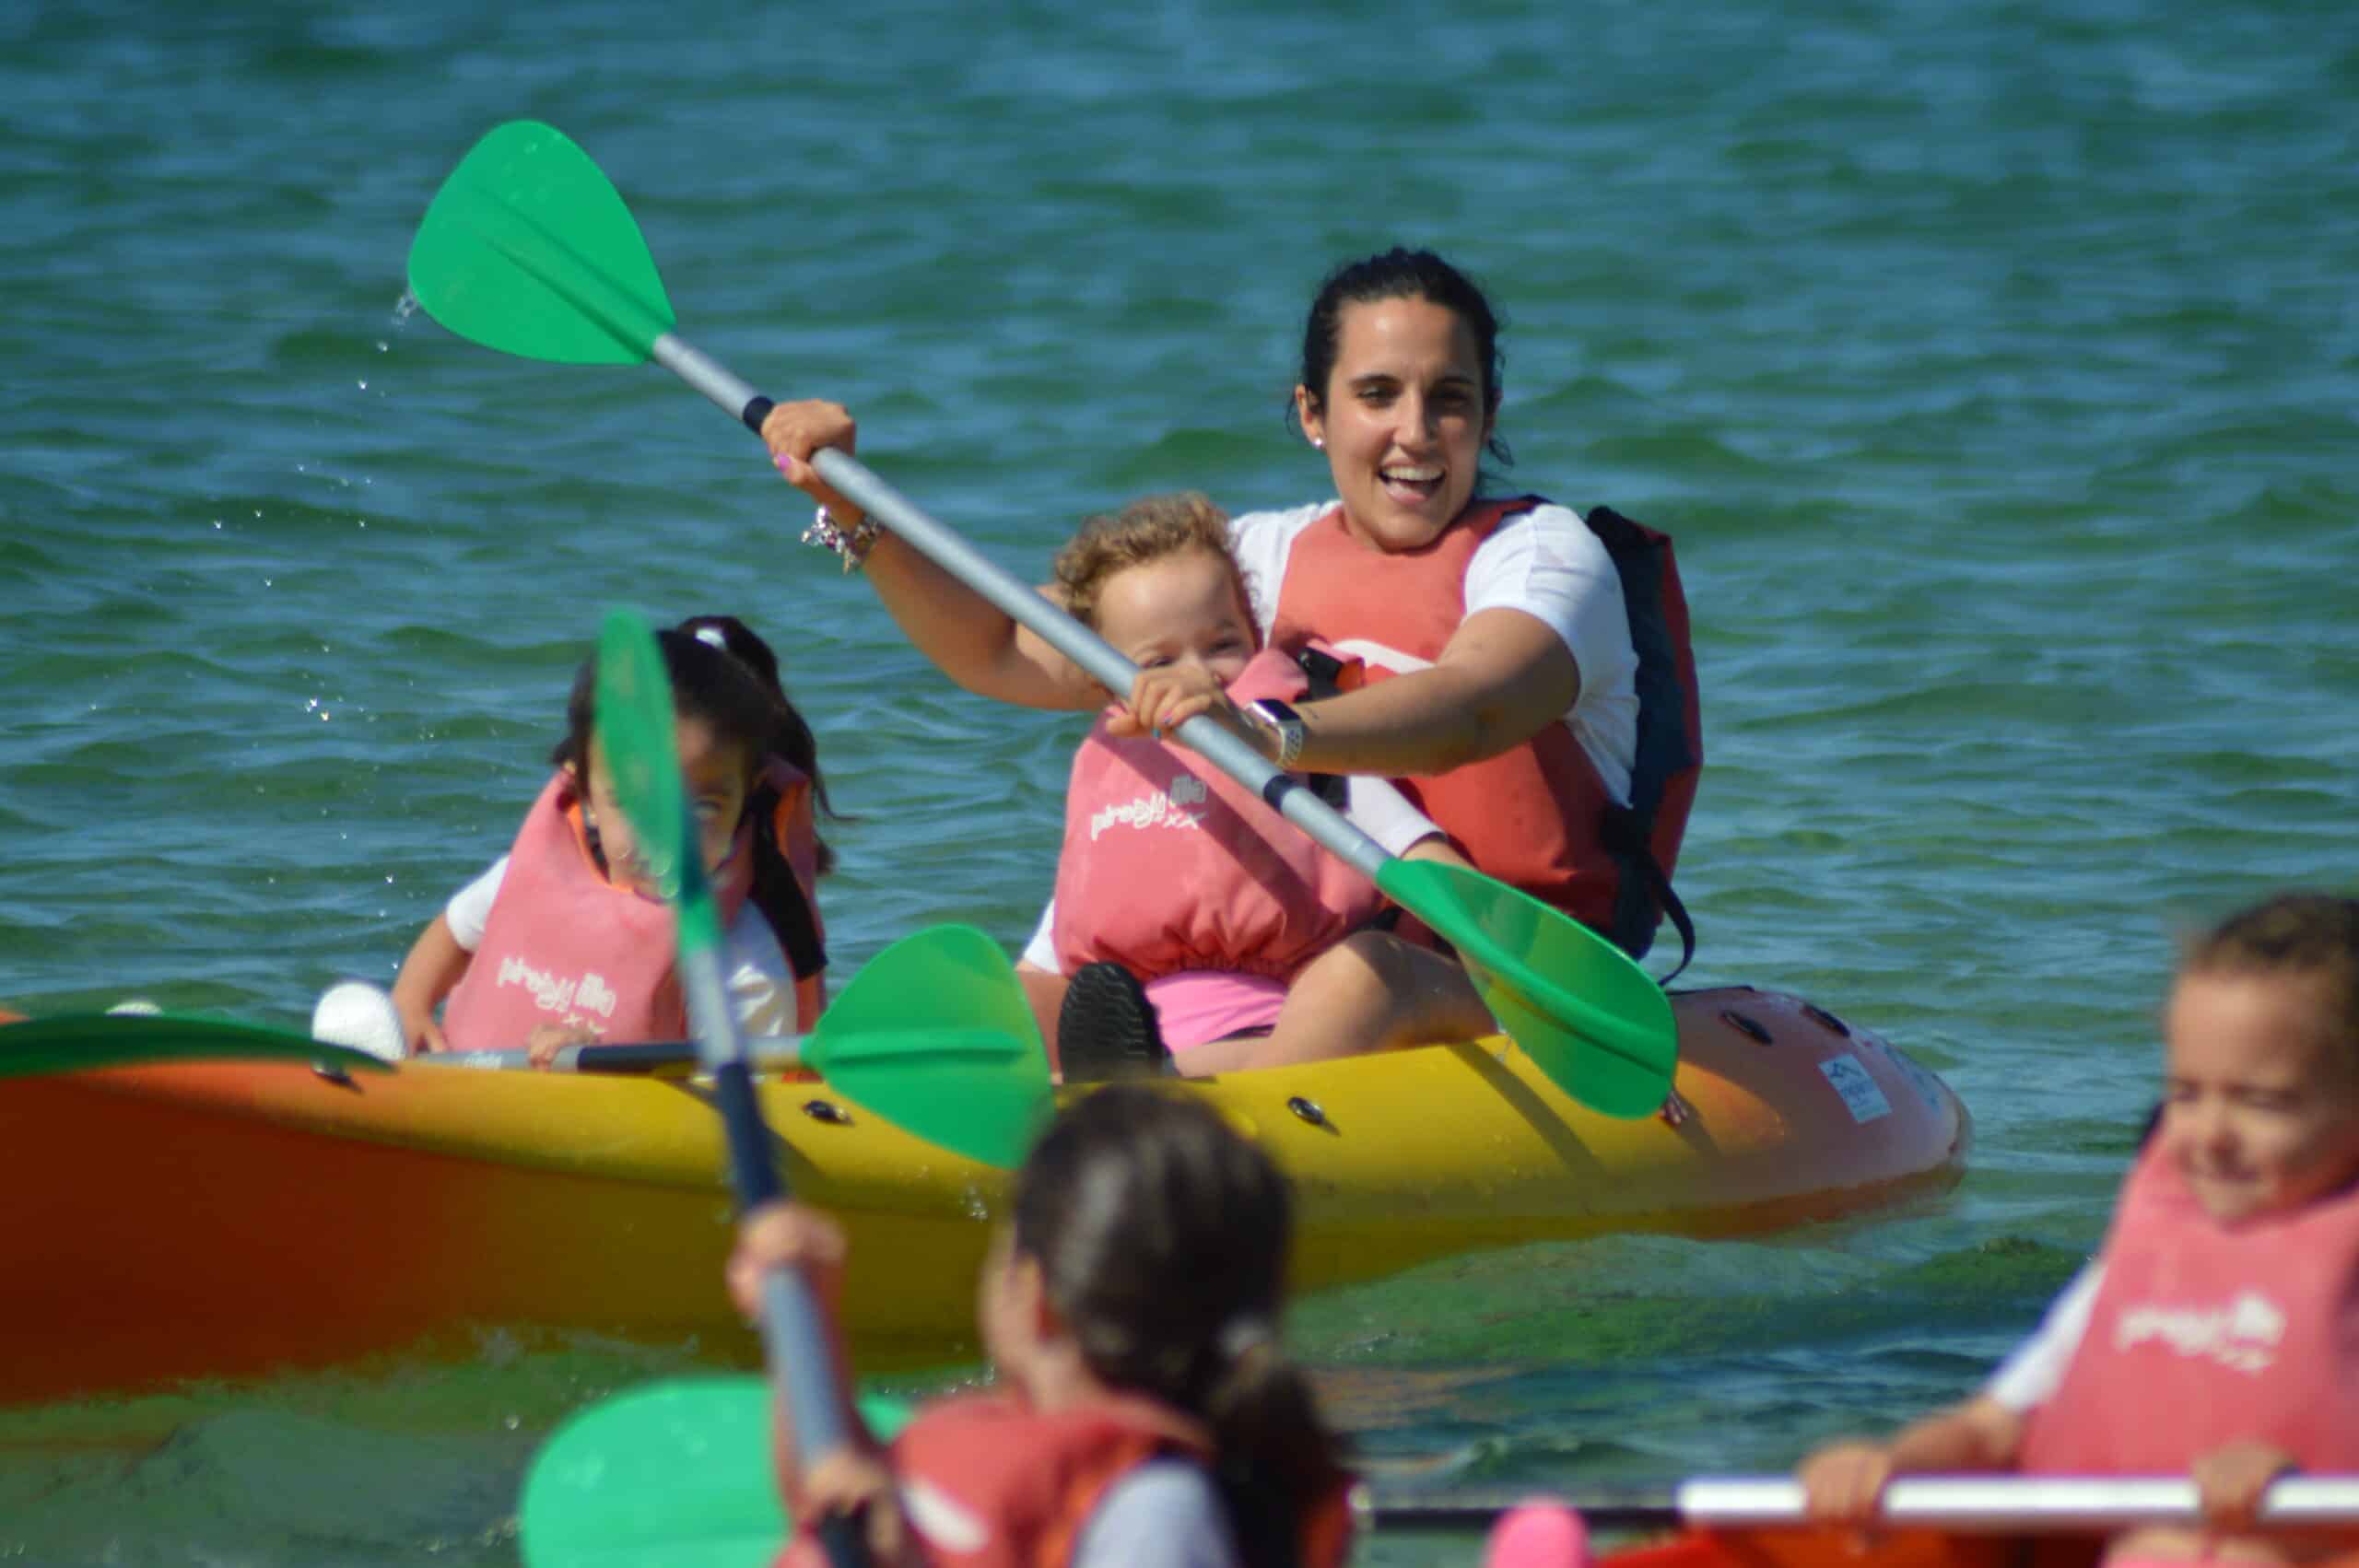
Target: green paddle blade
{"type": "Point", "coordinates": [638, 743]}
{"type": "Point", "coordinates": [528, 248]}
{"type": "Point", "coordinates": [76, 1042]}
{"type": "Point", "coordinates": [1594, 1022]}
{"type": "Point", "coordinates": [679, 1473]}
{"type": "Point", "coordinates": [935, 1037]}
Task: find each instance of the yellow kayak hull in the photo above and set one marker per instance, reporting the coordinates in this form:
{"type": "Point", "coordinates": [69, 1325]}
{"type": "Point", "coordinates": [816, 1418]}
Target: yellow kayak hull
{"type": "Point", "coordinates": [224, 1220]}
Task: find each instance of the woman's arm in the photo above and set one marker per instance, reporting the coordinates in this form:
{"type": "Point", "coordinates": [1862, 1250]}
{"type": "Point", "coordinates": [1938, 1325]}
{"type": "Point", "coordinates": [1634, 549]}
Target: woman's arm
{"type": "Point", "coordinates": [967, 637]}
{"type": "Point", "coordinates": [1503, 676]}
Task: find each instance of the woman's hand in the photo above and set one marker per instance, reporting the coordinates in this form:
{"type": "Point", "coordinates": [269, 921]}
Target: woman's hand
{"type": "Point", "coordinates": [2231, 1480]}
{"type": "Point", "coordinates": [547, 1039]}
{"type": "Point", "coordinates": [786, 1235]}
{"type": "Point", "coordinates": [795, 432]}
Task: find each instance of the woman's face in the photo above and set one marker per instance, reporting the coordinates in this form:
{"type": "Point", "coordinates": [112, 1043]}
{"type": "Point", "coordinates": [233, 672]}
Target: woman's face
{"type": "Point", "coordinates": [1402, 418]}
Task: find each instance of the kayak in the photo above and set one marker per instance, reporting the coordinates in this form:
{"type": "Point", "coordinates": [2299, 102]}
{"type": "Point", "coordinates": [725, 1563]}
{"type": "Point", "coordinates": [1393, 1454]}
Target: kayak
{"type": "Point", "coordinates": [228, 1219]}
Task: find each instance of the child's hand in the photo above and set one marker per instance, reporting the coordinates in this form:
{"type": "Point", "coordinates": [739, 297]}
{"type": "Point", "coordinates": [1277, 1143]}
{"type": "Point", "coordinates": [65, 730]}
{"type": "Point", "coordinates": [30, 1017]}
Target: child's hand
{"type": "Point", "coordinates": [855, 1482]}
{"type": "Point", "coordinates": [547, 1039]}
{"type": "Point", "coordinates": [786, 1235]}
{"type": "Point", "coordinates": [421, 1031]}
{"type": "Point", "coordinates": [1844, 1482]}
{"type": "Point", "coordinates": [794, 432]}
{"type": "Point", "coordinates": [1163, 700]}
{"type": "Point", "coordinates": [2231, 1480]}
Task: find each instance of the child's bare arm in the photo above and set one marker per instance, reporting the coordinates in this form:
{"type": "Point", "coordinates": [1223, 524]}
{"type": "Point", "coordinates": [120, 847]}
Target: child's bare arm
{"type": "Point", "coordinates": [434, 967]}
{"type": "Point", "coordinates": [1845, 1481]}
{"type": "Point", "coordinates": [795, 1235]}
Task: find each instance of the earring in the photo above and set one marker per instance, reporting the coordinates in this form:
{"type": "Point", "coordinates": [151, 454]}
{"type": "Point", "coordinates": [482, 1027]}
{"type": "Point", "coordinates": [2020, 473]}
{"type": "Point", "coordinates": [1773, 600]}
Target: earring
{"type": "Point", "coordinates": [1320, 442]}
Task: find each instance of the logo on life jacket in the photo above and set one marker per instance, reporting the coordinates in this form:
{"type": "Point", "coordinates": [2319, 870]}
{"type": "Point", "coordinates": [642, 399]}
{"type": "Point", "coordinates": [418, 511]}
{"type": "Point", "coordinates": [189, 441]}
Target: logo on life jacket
{"type": "Point", "coordinates": [557, 993]}
{"type": "Point", "coordinates": [2242, 1336]}
{"type": "Point", "coordinates": [1156, 808]}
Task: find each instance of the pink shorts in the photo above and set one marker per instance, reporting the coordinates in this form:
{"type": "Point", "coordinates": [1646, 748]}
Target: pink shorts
{"type": "Point", "coordinates": [1197, 1005]}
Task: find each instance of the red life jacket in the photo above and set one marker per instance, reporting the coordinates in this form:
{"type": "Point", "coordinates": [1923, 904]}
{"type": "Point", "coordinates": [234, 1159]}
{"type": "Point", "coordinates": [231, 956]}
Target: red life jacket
{"type": "Point", "coordinates": [2203, 1333]}
{"type": "Point", "coordinates": [564, 946]}
{"type": "Point", "coordinates": [1169, 864]}
{"type": "Point", "coordinates": [989, 1482]}
{"type": "Point", "coordinates": [1537, 816]}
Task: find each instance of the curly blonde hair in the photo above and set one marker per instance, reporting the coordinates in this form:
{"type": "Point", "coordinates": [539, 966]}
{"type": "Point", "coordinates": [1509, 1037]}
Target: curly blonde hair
{"type": "Point", "coordinates": [1153, 528]}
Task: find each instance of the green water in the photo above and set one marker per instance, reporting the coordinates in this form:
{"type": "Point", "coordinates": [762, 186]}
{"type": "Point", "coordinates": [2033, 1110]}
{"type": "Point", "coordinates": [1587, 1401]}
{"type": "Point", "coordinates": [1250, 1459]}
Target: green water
{"type": "Point", "coordinates": [1994, 365]}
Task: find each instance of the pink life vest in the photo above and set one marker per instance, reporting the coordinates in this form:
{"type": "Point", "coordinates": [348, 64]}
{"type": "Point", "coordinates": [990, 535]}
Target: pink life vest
{"type": "Point", "coordinates": [564, 946]}
{"type": "Point", "coordinates": [1536, 816]}
{"type": "Point", "coordinates": [1169, 864]}
{"type": "Point", "coordinates": [2203, 1333]}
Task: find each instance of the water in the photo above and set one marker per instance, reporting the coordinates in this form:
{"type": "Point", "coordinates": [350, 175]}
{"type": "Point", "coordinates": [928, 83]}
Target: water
{"type": "Point", "coordinates": [1993, 365]}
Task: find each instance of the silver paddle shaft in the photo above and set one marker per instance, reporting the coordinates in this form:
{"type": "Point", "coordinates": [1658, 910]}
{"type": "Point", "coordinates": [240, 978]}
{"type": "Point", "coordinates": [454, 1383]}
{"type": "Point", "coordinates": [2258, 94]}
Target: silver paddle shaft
{"type": "Point", "coordinates": [1102, 661]}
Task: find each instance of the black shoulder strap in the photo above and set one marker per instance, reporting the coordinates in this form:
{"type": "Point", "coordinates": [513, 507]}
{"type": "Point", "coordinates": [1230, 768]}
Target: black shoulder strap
{"type": "Point", "coordinates": [1662, 752]}
{"type": "Point", "coordinates": [778, 894]}
{"type": "Point", "coordinates": [1325, 673]}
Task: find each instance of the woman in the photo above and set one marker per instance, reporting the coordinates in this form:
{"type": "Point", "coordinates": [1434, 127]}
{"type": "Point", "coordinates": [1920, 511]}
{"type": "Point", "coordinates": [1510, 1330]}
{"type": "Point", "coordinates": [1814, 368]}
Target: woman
{"type": "Point", "coordinates": [1503, 638]}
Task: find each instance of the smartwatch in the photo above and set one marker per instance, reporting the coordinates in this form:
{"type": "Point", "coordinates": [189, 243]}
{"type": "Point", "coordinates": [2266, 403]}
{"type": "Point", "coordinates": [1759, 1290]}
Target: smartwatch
{"type": "Point", "coordinates": [1283, 723]}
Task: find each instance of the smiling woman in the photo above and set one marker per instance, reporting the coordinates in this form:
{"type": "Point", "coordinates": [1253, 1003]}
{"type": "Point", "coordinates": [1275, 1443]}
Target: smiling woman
{"type": "Point", "coordinates": [1528, 680]}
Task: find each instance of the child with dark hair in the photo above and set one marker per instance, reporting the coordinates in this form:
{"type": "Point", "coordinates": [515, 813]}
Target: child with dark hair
{"type": "Point", "coordinates": [1144, 1414]}
{"type": "Point", "coordinates": [566, 940]}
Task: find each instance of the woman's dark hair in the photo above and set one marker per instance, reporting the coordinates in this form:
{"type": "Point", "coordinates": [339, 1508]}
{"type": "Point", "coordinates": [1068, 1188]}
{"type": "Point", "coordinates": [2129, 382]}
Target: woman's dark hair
{"type": "Point", "coordinates": [1161, 1236]}
{"type": "Point", "coordinates": [1401, 274]}
{"type": "Point", "coordinates": [724, 676]}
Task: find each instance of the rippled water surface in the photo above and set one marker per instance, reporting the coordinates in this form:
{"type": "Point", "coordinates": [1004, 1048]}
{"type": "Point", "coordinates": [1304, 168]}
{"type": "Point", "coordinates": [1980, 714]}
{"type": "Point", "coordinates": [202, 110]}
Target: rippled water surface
{"type": "Point", "coordinates": [1994, 365]}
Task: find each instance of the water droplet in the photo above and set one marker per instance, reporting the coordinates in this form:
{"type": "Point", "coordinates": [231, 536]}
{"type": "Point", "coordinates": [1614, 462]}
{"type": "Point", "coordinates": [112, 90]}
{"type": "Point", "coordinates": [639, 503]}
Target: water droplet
{"type": "Point", "coordinates": [404, 309]}
{"type": "Point", "coordinates": [383, 346]}
{"type": "Point", "coordinates": [511, 1423]}
{"type": "Point", "coordinates": [364, 384]}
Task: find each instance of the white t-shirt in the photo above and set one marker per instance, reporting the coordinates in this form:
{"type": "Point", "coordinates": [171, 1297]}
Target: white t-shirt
{"type": "Point", "coordinates": [761, 982]}
{"type": "Point", "coordinates": [1545, 563]}
{"type": "Point", "coordinates": [2026, 1379]}
{"type": "Point", "coordinates": [1377, 808]}
{"type": "Point", "coordinates": [1165, 1514]}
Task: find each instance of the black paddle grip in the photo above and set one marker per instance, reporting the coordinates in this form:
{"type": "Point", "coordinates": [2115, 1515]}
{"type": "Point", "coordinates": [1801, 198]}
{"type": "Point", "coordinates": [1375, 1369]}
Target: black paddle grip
{"type": "Point", "coordinates": [840, 1538]}
{"type": "Point", "coordinates": [749, 1138]}
{"type": "Point", "coordinates": [754, 413]}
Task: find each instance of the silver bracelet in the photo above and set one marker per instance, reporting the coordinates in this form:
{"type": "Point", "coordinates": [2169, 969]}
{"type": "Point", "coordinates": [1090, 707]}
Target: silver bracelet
{"type": "Point", "coordinates": [852, 544]}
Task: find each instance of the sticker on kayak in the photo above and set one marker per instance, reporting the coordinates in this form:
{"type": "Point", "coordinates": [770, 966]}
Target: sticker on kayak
{"type": "Point", "coordinates": [1928, 1087]}
{"type": "Point", "coordinates": [1857, 1087]}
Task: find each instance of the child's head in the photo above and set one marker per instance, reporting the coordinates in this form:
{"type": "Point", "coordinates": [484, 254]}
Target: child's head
{"type": "Point", "coordinates": [2261, 1037]}
{"type": "Point", "coordinates": [1149, 1239]}
{"type": "Point", "coordinates": [733, 716]}
{"type": "Point", "coordinates": [1156, 579]}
